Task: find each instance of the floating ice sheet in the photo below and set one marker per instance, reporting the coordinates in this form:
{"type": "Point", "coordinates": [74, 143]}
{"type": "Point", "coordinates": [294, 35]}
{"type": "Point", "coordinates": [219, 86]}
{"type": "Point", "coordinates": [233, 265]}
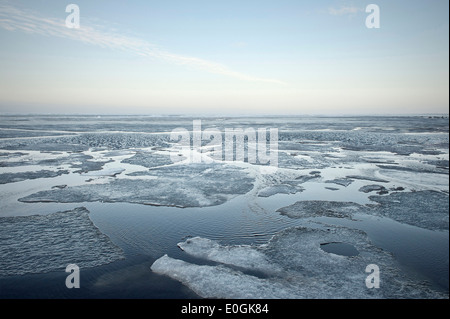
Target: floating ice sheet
{"type": "Point", "coordinates": [84, 141]}
{"type": "Point", "coordinates": [16, 133]}
{"type": "Point", "coordinates": [112, 172]}
{"type": "Point", "coordinates": [192, 185]}
{"type": "Point", "coordinates": [297, 268]}
{"type": "Point", "coordinates": [340, 181]}
{"type": "Point", "coordinates": [242, 256]}
{"type": "Point", "coordinates": [418, 180]}
{"type": "Point", "coordinates": [119, 141]}
{"type": "Point", "coordinates": [368, 178]}
{"type": "Point", "coordinates": [149, 159]}
{"type": "Point", "coordinates": [11, 155]}
{"type": "Point", "coordinates": [372, 188]}
{"type": "Point", "coordinates": [38, 244]}
{"type": "Point", "coordinates": [317, 208]}
{"type": "Point", "coordinates": [279, 189]}
{"type": "Point", "coordinates": [81, 162]}
{"type": "Point", "coordinates": [6, 178]}
{"type": "Point", "coordinates": [44, 159]}
{"type": "Point", "coordinates": [416, 169]}
{"type": "Point", "coordinates": [295, 161]}
{"type": "Point", "coordinates": [220, 281]}
{"type": "Point", "coordinates": [425, 209]}
{"type": "Point", "coordinates": [439, 163]}
{"type": "Point", "coordinates": [89, 166]}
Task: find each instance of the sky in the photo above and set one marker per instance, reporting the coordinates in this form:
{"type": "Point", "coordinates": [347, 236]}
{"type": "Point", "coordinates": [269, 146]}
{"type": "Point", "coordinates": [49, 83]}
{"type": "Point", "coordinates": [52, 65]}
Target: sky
{"type": "Point", "coordinates": [224, 57]}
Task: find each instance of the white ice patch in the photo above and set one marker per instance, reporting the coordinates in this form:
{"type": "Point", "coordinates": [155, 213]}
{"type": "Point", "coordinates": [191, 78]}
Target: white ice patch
{"type": "Point", "coordinates": [221, 282]}
{"type": "Point", "coordinates": [242, 256]}
{"type": "Point", "coordinates": [296, 267]}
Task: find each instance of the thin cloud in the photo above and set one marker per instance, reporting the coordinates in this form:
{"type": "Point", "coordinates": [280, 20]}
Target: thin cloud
{"type": "Point", "coordinates": [344, 11]}
{"type": "Point", "coordinates": [15, 19]}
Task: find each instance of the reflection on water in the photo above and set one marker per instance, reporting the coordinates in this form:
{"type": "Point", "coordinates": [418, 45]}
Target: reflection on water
{"type": "Point", "coordinates": [145, 233]}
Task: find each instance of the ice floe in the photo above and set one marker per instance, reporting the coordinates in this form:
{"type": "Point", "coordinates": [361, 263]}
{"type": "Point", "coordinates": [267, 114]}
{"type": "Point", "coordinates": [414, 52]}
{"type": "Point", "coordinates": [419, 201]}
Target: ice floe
{"type": "Point", "coordinates": [317, 208]}
{"type": "Point", "coordinates": [241, 256]}
{"type": "Point", "coordinates": [368, 178]}
{"type": "Point", "coordinates": [45, 243]}
{"type": "Point", "coordinates": [425, 209]}
{"type": "Point", "coordinates": [192, 185]}
{"type": "Point", "coordinates": [148, 159]}
{"type": "Point", "coordinates": [340, 181]}
{"type": "Point", "coordinates": [77, 162]}
{"type": "Point", "coordinates": [279, 189]}
{"type": "Point", "coordinates": [6, 178]}
{"type": "Point", "coordinates": [112, 172]}
{"type": "Point", "coordinates": [297, 267]}
{"type": "Point", "coordinates": [373, 188]}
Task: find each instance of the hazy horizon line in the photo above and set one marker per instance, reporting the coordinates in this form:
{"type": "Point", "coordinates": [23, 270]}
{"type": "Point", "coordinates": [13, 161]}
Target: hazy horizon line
{"type": "Point", "coordinates": [193, 114]}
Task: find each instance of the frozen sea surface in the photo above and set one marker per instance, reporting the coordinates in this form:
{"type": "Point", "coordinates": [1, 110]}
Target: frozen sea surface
{"type": "Point", "coordinates": [379, 185]}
